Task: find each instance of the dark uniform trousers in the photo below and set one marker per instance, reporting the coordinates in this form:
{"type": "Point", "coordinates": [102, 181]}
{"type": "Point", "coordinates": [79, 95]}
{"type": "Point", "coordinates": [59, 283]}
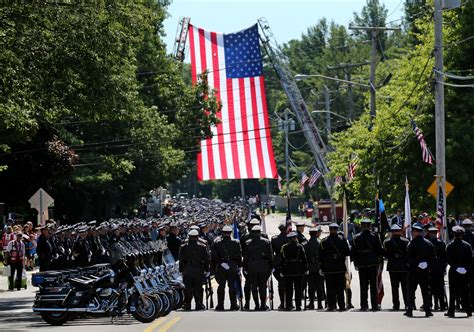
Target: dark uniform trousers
{"type": "Point", "coordinates": [192, 280]}
{"type": "Point", "coordinates": [368, 277]}
{"type": "Point", "coordinates": [335, 284]}
{"type": "Point", "coordinates": [296, 283]}
{"type": "Point", "coordinates": [437, 288]}
{"type": "Point", "coordinates": [459, 288]}
{"type": "Point", "coordinates": [315, 287]}
{"type": "Point", "coordinates": [231, 278]}
{"type": "Point", "coordinates": [398, 279]}
{"type": "Point", "coordinates": [419, 277]}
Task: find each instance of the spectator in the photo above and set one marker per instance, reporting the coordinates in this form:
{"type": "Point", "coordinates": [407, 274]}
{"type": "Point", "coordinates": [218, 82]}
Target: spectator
{"type": "Point", "coordinates": [272, 205]}
{"type": "Point", "coordinates": [15, 256]}
{"type": "Point", "coordinates": [7, 237]}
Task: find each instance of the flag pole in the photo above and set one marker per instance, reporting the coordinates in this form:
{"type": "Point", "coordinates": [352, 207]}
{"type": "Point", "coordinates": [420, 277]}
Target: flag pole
{"type": "Point", "coordinates": [444, 224]}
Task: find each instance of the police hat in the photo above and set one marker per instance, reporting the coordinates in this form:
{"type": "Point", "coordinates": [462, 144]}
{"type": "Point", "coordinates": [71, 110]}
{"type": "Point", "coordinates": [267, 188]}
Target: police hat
{"type": "Point", "coordinates": [458, 229]}
{"type": "Point", "coordinates": [194, 227]}
{"type": "Point", "coordinates": [395, 228]}
{"type": "Point", "coordinates": [291, 235]}
{"type": "Point", "coordinates": [254, 221]}
{"type": "Point", "coordinates": [315, 229]}
{"type": "Point", "coordinates": [282, 226]}
{"type": "Point", "coordinates": [226, 229]}
{"type": "Point", "coordinates": [366, 221]}
{"type": "Point", "coordinates": [257, 228]}
{"type": "Point", "coordinates": [202, 225]}
{"type": "Point", "coordinates": [417, 227]}
{"type": "Point", "coordinates": [300, 223]}
{"type": "Point", "coordinates": [193, 232]}
{"type": "Point", "coordinates": [432, 229]}
{"type": "Point", "coordinates": [333, 225]}
{"type": "Point", "coordinates": [467, 222]}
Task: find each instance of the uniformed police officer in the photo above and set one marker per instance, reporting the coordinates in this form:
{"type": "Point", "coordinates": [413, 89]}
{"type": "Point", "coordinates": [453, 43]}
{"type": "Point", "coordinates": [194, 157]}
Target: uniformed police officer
{"type": "Point", "coordinates": [278, 241]}
{"type": "Point", "coordinates": [300, 225]}
{"type": "Point", "coordinates": [243, 241]}
{"type": "Point", "coordinates": [469, 238]}
{"type": "Point", "coordinates": [258, 263]}
{"type": "Point", "coordinates": [438, 270]}
{"type": "Point", "coordinates": [332, 258]}
{"type": "Point", "coordinates": [458, 256]}
{"type": "Point", "coordinates": [395, 250]}
{"type": "Point", "coordinates": [194, 265]}
{"type": "Point", "coordinates": [294, 267]}
{"type": "Point", "coordinates": [367, 253]}
{"type": "Point", "coordinates": [81, 250]}
{"type": "Point", "coordinates": [43, 249]}
{"type": "Point", "coordinates": [420, 257]}
{"type": "Point", "coordinates": [226, 258]}
{"type": "Point", "coordinates": [173, 241]}
{"type": "Point", "coordinates": [315, 280]}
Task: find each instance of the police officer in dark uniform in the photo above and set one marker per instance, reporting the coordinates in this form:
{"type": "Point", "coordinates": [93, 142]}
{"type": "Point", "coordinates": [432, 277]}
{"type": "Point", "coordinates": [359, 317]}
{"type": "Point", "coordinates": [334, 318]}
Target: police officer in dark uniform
{"type": "Point", "coordinates": [469, 238]}
{"type": "Point", "coordinates": [458, 256]}
{"type": "Point", "coordinates": [194, 265]}
{"type": "Point", "coordinates": [243, 241]}
{"type": "Point", "coordinates": [367, 253]}
{"type": "Point", "coordinates": [173, 241]}
{"type": "Point", "coordinates": [81, 250]}
{"type": "Point", "coordinates": [315, 280]}
{"type": "Point", "coordinates": [332, 258]}
{"type": "Point", "coordinates": [420, 255]}
{"type": "Point", "coordinates": [226, 257]}
{"type": "Point", "coordinates": [258, 263]}
{"type": "Point", "coordinates": [277, 242]}
{"type": "Point", "coordinates": [395, 250]}
{"type": "Point", "coordinates": [44, 249]}
{"type": "Point", "coordinates": [438, 270]}
{"type": "Point", "coordinates": [294, 267]}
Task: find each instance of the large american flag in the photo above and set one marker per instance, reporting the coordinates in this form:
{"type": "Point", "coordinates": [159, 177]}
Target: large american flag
{"type": "Point", "coordinates": [241, 146]}
{"type": "Point", "coordinates": [315, 175]}
{"type": "Point", "coordinates": [425, 151]}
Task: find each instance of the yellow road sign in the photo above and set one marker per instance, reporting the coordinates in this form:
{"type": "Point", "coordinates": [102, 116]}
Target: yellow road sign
{"type": "Point", "coordinates": [433, 188]}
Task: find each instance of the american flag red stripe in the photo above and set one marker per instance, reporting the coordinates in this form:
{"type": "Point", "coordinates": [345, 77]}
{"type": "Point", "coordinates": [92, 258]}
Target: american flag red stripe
{"type": "Point", "coordinates": [352, 169]}
{"type": "Point", "coordinates": [425, 151]}
{"type": "Point", "coordinates": [241, 146]}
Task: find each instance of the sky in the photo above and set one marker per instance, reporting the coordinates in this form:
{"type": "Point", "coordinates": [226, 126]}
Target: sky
{"type": "Point", "coordinates": [288, 19]}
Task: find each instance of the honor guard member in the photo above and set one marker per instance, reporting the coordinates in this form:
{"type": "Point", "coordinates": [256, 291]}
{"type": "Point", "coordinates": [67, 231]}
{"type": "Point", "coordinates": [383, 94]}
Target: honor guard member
{"type": "Point", "coordinates": [226, 261]}
{"type": "Point", "coordinates": [173, 241]}
{"type": "Point", "coordinates": [258, 264]}
{"type": "Point", "coordinates": [243, 240]}
{"type": "Point", "coordinates": [469, 238]}
{"type": "Point", "coordinates": [204, 232]}
{"type": "Point", "coordinates": [277, 242]}
{"type": "Point", "coordinates": [420, 257]}
{"type": "Point", "coordinates": [367, 253]}
{"type": "Point", "coordinates": [315, 280]}
{"type": "Point", "coordinates": [395, 250]}
{"type": "Point", "coordinates": [459, 255]}
{"type": "Point", "coordinates": [300, 225]}
{"type": "Point", "coordinates": [44, 249]}
{"type": "Point", "coordinates": [294, 267]}
{"type": "Point", "coordinates": [332, 258]}
{"type": "Point", "coordinates": [194, 265]}
{"type": "Point", "coordinates": [438, 270]}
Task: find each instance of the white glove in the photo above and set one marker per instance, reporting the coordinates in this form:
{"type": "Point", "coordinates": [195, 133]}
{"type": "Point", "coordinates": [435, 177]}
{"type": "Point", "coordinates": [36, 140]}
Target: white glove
{"type": "Point", "coordinates": [225, 266]}
{"type": "Point", "coordinates": [423, 265]}
{"type": "Point", "coordinates": [321, 273]}
{"type": "Point", "coordinates": [461, 270]}
{"type": "Point", "coordinates": [306, 273]}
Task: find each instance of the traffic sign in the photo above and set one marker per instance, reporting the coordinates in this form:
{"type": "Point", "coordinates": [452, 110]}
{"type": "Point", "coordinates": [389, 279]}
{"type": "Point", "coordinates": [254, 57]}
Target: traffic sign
{"type": "Point", "coordinates": [433, 189]}
{"type": "Point", "coordinates": [41, 201]}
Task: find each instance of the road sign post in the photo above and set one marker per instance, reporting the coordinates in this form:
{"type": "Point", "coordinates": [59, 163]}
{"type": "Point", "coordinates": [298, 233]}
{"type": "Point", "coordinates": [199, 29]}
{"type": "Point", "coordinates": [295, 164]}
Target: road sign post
{"type": "Point", "coordinates": [41, 201]}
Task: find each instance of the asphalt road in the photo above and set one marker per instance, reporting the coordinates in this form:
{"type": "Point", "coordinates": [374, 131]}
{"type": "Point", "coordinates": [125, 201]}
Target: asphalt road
{"type": "Point", "coordinates": [16, 315]}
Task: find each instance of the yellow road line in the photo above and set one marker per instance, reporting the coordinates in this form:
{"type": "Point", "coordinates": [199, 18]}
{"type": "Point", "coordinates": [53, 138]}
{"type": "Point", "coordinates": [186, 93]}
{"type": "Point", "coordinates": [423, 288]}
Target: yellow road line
{"type": "Point", "coordinates": [170, 324]}
{"type": "Point", "coordinates": [155, 324]}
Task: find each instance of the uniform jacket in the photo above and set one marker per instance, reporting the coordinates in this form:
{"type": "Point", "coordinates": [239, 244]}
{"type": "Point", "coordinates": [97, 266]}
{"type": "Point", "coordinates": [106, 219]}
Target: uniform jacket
{"type": "Point", "coordinates": [367, 249]}
{"type": "Point", "coordinates": [293, 259]}
{"type": "Point", "coordinates": [395, 250]}
{"type": "Point", "coordinates": [332, 254]}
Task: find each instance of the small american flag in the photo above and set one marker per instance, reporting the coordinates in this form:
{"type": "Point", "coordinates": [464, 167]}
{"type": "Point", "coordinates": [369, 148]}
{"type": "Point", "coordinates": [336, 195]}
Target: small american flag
{"type": "Point", "coordinates": [304, 179]}
{"type": "Point", "coordinates": [315, 175]}
{"type": "Point", "coordinates": [425, 151]}
{"type": "Point", "coordinates": [352, 169]}
{"type": "Point", "coordinates": [280, 186]}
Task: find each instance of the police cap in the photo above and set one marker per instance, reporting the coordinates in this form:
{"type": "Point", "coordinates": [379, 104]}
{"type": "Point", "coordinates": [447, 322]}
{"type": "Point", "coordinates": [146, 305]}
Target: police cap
{"type": "Point", "coordinates": [291, 235]}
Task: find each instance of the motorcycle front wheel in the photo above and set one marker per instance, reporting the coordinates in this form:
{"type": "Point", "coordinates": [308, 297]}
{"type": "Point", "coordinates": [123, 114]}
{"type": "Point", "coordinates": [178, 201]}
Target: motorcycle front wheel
{"type": "Point", "coordinates": [145, 310]}
{"type": "Point", "coordinates": [55, 318]}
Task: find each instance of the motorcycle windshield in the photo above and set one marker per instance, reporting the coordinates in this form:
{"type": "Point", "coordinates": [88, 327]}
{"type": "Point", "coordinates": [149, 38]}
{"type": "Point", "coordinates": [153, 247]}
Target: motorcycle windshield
{"type": "Point", "coordinates": [168, 257]}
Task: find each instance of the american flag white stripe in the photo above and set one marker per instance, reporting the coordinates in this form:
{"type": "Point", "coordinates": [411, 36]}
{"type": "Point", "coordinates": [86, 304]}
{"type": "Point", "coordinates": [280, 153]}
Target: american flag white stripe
{"type": "Point", "coordinates": [241, 144]}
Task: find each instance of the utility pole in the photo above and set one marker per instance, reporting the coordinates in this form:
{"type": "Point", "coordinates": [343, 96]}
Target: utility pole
{"type": "Point", "coordinates": [287, 160]}
{"type": "Point", "coordinates": [373, 62]}
{"type": "Point", "coordinates": [439, 104]}
{"type": "Point", "coordinates": [347, 68]}
{"type": "Point", "coordinates": [327, 102]}
{"type": "Point", "coordinates": [242, 189]}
